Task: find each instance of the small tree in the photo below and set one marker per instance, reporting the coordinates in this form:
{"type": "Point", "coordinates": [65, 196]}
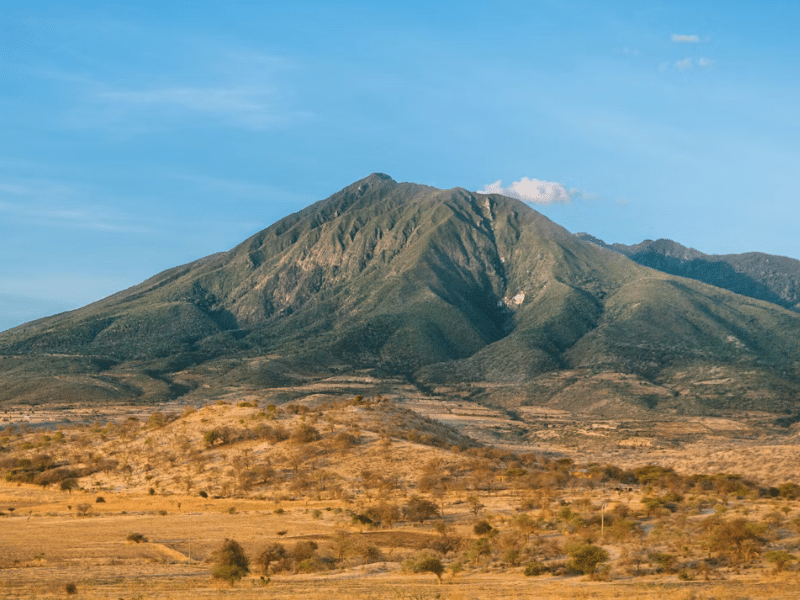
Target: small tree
{"type": "Point", "coordinates": [230, 562]}
{"type": "Point", "coordinates": [431, 565]}
{"type": "Point", "coordinates": [780, 558]}
{"type": "Point", "coordinates": [69, 484]}
{"type": "Point", "coordinates": [585, 557]}
{"type": "Point", "coordinates": [418, 509]}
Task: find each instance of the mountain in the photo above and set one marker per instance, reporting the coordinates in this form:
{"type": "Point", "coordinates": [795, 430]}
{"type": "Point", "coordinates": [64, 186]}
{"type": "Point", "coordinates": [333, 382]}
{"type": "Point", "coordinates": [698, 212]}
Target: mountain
{"type": "Point", "coordinates": [459, 293]}
{"type": "Point", "coordinates": [767, 277]}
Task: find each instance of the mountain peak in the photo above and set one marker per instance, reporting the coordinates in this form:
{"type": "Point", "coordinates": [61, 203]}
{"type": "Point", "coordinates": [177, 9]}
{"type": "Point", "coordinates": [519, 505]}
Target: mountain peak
{"type": "Point", "coordinates": [443, 287]}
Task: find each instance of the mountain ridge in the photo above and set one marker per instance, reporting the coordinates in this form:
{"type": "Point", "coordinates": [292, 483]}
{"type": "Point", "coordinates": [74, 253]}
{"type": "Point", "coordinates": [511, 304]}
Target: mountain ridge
{"type": "Point", "coordinates": [769, 277]}
{"type": "Point", "coordinates": [460, 293]}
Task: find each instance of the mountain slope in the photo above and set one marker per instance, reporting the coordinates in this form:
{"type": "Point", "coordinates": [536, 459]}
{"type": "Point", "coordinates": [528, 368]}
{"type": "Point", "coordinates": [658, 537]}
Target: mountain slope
{"type": "Point", "coordinates": [767, 277]}
{"type": "Point", "coordinates": [456, 291]}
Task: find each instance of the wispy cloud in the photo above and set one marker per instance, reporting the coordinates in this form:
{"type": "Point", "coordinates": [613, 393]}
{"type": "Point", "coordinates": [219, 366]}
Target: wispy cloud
{"type": "Point", "coordinates": [534, 191]}
{"type": "Point", "coordinates": [250, 108]}
{"type": "Point", "coordinates": [239, 89]}
{"type": "Point", "coordinates": [61, 205]}
{"type": "Point", "coordinates": [680, 38]}
{"type": "Point", "coordinates": [686, 64]}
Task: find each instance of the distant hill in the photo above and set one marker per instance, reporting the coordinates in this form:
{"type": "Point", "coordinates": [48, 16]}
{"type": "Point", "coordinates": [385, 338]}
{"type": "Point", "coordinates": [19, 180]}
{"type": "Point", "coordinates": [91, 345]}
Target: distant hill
{"type": "Point", "coordinates": [767, 277]}
{"type": "Point", "coordinates": [462, 294]}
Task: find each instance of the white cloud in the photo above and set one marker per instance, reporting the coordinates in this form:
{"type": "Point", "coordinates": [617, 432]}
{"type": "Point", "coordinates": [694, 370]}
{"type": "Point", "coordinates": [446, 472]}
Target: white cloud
{"type": "Point", "coordinates": [685, 39]}
{"type": "Point", "coordinates": [532, 190]}
{"type": "Point", "coordinates": [689, 63]}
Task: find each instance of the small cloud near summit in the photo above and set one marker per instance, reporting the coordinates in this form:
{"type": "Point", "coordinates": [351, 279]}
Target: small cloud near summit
{"type": "Point", "coordinates": [532, 190]}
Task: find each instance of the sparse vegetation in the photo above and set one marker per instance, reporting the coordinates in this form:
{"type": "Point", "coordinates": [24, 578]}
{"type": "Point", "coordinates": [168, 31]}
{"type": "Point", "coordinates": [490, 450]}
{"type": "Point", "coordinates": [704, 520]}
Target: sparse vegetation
{"type": "Point", "coordinates": [230, 563]}
{"type": "Point", "coordinates": [466, 511]}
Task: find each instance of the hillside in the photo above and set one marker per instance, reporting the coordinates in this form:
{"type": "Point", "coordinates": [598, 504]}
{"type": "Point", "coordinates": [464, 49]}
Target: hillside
{"type": "Point", "coordinates": [767, 277]}
{"type": "Point", "coordinates": [457, 293]}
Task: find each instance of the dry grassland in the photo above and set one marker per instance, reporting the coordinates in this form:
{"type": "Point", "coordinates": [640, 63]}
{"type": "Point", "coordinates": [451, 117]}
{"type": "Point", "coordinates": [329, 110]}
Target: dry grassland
{"type": "Point", "coordinates": [297, 474]}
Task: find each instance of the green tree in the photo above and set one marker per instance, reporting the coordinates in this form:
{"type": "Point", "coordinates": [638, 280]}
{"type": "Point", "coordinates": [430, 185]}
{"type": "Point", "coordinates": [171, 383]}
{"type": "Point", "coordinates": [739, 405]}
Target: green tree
{"type": "Point", "coordinates": [431, 565]}
{"type": "Point", "coordinates": [780, 558]}
{"type": "Point", "coordinates": [585, 557]}
{"type": "Point", "coordinates": [230, 562]}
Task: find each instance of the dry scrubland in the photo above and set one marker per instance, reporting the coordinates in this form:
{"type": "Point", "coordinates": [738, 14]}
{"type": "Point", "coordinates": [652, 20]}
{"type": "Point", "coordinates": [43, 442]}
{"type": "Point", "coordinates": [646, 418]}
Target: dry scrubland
{"type": "Point", "coordinates": [364, 498]}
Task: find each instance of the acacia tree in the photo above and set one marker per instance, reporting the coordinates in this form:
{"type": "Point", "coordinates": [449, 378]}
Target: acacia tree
{"type": "Point", "coordinates": [738, 539]}
{"type": "Point", "coordinates": [585, 557]}
{"type": "Point", "coordinates": [431, 565]}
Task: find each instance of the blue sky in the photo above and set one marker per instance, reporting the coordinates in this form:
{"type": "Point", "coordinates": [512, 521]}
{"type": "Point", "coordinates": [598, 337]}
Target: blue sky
{"type": "Point", "coordinates": [139, 137]}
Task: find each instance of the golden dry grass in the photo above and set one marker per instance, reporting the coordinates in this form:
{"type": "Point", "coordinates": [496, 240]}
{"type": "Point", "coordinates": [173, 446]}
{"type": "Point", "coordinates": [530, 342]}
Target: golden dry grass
{"type": "Point", "coordinates": [45, 545]}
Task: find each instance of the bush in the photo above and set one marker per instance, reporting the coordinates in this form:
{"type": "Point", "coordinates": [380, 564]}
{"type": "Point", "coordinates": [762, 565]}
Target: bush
{"type": "Point", "coordinates": [304, 434]}
{"type": "Point", "coordinates": [137, 538]}
{"type": "Point", "coordinates": [304, 550]}
{"type": "Point", "coordinates": [271, 554]}
{"type": "Point", "coordinates": [69, 484]}
{"type": "Point", "coordinates": [780, 558]}
{"type": "Point", "coordinates": [482, 527]}
{"type": "Point", "coordinates": [230, 562]}
{"type": "Point", "coordinates": [534, 569]}
{"type": "Point", "coordinates": [71, 589]}
{"type": "Point", "coordinates": [585, 557]}
{"type": "Point", "coordinates": [418, 509]}
{"type": "Point", "coordinates": [431, 565]}
{"type": "Point", "coordinates": [99, 500]}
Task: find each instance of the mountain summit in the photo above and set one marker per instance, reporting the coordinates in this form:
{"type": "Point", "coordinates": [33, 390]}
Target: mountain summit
{"type": "Point", "coordinates": [457, 292]}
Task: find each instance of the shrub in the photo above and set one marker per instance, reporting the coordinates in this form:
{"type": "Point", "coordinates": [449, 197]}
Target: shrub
{"type": "Point", "coordinates": [664, 560]}
{"type": "Point", "coordinates": [363, 520]}
{"type": "Point", "coordinates": [371, 554]}
{"type": "Point", "coordinates": [585, 557]}
{"type": "Point", "coordinates": [71, 589]}
{"type": "Point", "coordinates": [99, 500]}
{"type": "Point", "coordinates": [271, 554]}
{"type": "Point", "coordinates": [482, 527]}
{"type": "Point", "coordinates": [304, 550]}
{"type": "Point", "coordinates": [137, 538]}
{"type": "Point", "coordinates": [67, 485]}
{"type": "Point", "coordinates": [230, 562]}
{"type": "Point", "coordinates": [431, 565]}
{"type": "Point", "coordinates": [534, 569]}
{"type": "Point", "coordinates": [304, 434]}
{"type": "Point", "coordinates": [211, 437]}
{"type": "Point", "coordinates": [780, 558]}
{"type": "Point", "coordinates": [418, 509]}
{"type": "Point", "coordinates": [344, 441]}
{"type": "Point", "coordinates": [83, 509]}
